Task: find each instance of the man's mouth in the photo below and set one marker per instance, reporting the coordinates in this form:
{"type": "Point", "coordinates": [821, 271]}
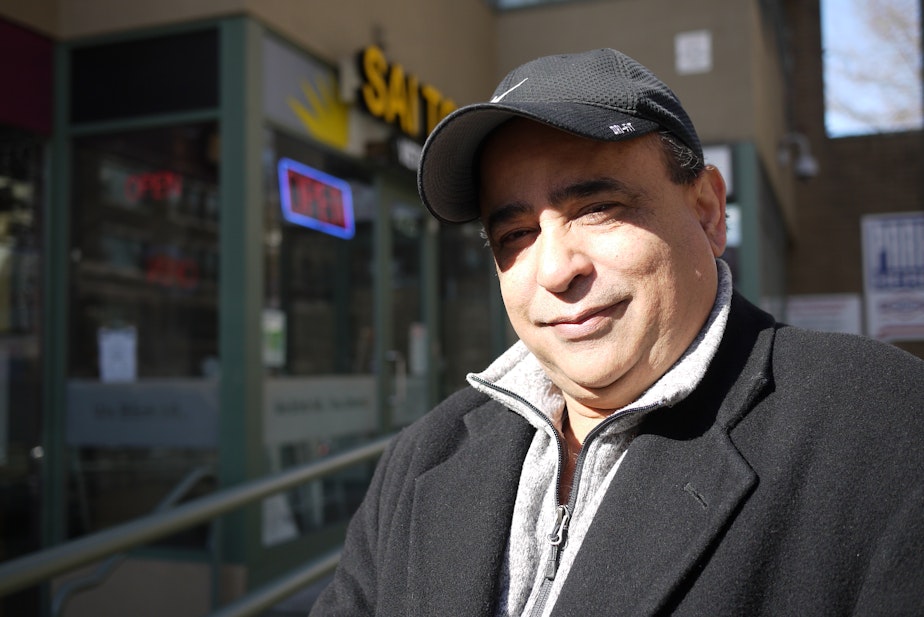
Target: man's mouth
{"type": "Point", "coordinates": [587, 323]}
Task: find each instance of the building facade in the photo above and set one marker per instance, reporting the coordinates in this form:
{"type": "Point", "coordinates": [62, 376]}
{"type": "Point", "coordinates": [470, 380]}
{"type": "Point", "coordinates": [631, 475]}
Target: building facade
{"type": "Point", "coordinates": [865, 180]}
{"type": "Point", "coordinates": [214, 259]}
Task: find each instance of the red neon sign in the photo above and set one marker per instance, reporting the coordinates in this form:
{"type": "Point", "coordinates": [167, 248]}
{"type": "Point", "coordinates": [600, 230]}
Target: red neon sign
{"type": "Point", "coordinates": [171, 271]}
{"type": "Point", "coordinates": [156, 185]}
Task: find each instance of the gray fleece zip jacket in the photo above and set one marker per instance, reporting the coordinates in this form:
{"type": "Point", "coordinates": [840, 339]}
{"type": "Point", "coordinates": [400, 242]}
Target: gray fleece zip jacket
{"type": "Point", "coordinates": [534, 568]}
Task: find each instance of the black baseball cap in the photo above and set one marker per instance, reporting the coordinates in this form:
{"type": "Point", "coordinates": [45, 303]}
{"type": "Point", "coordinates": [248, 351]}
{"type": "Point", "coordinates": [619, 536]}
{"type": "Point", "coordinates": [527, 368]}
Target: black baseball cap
{"type": "Point", "coordinates": [601, 94]}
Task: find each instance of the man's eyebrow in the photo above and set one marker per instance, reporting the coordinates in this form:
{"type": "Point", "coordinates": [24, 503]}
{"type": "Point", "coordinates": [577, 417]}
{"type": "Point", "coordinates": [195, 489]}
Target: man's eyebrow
{"type": "Point", "coordinates": [589, 188]}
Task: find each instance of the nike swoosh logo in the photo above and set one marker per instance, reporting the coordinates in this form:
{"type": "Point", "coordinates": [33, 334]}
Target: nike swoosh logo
{"type": "Point", "coordinates": [500, 96]}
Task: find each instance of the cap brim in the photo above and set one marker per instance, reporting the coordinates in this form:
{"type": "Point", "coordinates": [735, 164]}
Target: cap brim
{"type": "Point", "coordinates": [445, 177]}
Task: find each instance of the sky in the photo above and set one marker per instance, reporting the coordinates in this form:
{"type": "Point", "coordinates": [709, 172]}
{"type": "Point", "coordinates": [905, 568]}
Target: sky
{"type": "Point", "coordinates": [882, 86]}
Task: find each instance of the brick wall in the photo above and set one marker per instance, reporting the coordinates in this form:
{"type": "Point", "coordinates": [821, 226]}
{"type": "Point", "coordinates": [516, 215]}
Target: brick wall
{"type": "Point", "coordinates": [859, 175]}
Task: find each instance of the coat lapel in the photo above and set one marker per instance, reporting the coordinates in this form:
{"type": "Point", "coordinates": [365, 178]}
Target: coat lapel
{"type": "Point", "coordinates": [461, 517]}
{"type": "Point", "coordinates": [668, 504]}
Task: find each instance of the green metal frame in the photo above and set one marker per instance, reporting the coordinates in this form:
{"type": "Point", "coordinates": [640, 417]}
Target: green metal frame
{"type": "Point", "coordinates": [55, 308]}
{"type": "Point", "coordinates": [241, 275]}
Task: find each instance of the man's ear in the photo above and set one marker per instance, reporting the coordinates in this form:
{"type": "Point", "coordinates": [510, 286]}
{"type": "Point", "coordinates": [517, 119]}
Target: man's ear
{"type": "Point", "coordinates": [710, 207]}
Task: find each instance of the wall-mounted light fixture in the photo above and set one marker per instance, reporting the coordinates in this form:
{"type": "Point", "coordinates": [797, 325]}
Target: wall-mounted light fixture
{"type": "Point", "coordinates": [805, 165]}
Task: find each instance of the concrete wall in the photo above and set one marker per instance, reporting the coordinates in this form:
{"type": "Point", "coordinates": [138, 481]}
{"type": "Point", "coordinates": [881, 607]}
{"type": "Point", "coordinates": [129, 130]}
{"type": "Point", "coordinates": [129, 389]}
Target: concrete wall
{"type": "Point", "coordinates": [38, 15]}
{"type": "Point", "coordinates": [68, 19]}
{"type": "Point", "coordinates": [720, 102]}
{"type": "Point", "coordinates": [740, 99]}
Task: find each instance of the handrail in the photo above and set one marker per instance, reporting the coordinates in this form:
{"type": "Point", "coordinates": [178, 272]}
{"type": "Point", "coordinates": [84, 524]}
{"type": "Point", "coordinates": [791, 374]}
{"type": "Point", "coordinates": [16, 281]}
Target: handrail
{"type": "Point", "coordinates": [269, 594]}
{"type": "Point", "coordinates": [103, 571]}
{"type": "Point", "coordinates": [37, 567]}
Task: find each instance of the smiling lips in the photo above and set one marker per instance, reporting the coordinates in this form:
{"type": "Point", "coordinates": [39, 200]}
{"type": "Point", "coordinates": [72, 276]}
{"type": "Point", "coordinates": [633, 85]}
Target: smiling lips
{"type": "Point", "coordinates": [586, 324]}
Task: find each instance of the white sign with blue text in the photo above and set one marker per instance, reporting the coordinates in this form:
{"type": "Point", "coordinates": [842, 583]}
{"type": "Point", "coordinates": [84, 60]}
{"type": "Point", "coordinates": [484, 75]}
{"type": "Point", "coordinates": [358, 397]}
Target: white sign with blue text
{"type": "Point", "coordinates": [893, 276]}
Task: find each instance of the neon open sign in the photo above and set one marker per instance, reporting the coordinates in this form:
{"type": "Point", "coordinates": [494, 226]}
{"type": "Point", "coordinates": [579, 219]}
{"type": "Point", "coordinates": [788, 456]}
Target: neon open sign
{"type": "Point", "coordinates": [316, 200]}
{"type": "Point", "coordinates": [157, 185]}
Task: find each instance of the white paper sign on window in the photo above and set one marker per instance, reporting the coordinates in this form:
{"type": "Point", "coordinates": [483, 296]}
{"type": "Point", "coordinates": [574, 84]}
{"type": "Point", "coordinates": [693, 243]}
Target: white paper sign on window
{"type": "Point", "coordinates": [117, 354]}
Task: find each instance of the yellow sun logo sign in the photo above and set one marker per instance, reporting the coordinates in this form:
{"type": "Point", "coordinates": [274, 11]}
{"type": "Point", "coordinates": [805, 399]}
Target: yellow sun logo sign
{"type": "Point", "coordinates": [325, 116]}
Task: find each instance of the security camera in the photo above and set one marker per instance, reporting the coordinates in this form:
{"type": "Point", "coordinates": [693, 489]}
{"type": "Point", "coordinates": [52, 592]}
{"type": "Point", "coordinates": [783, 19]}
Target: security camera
{"type": "Point", "coordinates": [806, 165]}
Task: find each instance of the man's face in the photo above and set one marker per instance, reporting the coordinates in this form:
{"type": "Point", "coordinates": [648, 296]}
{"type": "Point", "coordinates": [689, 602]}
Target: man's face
{"type": "Point", "coordinates": [606, 267]}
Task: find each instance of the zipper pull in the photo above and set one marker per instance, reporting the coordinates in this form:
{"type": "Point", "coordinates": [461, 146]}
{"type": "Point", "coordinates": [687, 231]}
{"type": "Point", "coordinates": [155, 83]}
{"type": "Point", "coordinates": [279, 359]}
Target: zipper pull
{"type": "Point", "coordinates": [557, 538]}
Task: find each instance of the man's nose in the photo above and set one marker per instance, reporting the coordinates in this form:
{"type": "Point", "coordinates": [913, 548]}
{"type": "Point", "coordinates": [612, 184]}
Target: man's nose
{"type": "Point", "coordinates": [562, 259]}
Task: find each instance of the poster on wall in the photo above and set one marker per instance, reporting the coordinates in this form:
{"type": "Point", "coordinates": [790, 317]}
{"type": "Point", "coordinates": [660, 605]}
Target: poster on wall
{"type": "Point", "coordinates": [893, 276]}
{"type": "Point", "coordinates": [826, 312]}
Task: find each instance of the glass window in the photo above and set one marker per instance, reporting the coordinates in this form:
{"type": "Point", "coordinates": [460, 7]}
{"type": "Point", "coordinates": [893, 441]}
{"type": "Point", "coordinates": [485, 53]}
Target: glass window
{"type": "Point", "coordinates": [467, 281]}
{"type": "Point", "coordinates": [142, 396]}
{"type": "Point", "coordinates": [872, 66]}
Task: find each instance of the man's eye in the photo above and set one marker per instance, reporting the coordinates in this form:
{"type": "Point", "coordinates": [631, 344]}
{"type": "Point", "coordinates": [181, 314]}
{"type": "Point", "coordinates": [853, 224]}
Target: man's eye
{"type": "Point", "coordinates": [604, 212]}
{"type": "Point", "coordinates": [512, 237]}
{"type": "Point", "coordinates": [598, 208]}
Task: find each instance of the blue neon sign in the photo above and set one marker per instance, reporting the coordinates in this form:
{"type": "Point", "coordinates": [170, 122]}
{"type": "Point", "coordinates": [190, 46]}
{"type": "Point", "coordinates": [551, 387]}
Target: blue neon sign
{"type": "Point", "coordinates": [314, 199]}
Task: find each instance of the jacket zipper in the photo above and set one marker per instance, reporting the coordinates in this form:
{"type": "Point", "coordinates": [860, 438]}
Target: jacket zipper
{"type": "Point", "coordinates": [559, 534]}
{"type": "Point", "coordinates": [558, 537]}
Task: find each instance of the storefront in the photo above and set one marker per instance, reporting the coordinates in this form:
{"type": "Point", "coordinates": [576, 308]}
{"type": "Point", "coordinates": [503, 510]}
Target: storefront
{"type": "Point", "coordinates": [240, 278]}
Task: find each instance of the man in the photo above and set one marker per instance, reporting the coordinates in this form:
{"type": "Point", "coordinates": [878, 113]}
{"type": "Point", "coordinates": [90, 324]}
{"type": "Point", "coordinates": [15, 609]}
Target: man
{"type": "Point", "coordinates": [653, 444]}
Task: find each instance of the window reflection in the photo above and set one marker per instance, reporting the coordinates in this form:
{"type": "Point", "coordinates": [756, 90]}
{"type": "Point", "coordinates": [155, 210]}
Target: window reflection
{"type": "Point", "coordinates": [144, 249]}
{"type": "Point", "coordinates": [467, 282]}
{"type": "Point", "coordinates": [142, 399]}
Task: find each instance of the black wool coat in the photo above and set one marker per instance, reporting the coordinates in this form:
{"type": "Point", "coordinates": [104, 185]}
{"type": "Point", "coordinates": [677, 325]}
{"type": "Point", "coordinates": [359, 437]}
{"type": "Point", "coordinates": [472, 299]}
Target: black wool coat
{"type": "Point", "coordinates": [791, 482]}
